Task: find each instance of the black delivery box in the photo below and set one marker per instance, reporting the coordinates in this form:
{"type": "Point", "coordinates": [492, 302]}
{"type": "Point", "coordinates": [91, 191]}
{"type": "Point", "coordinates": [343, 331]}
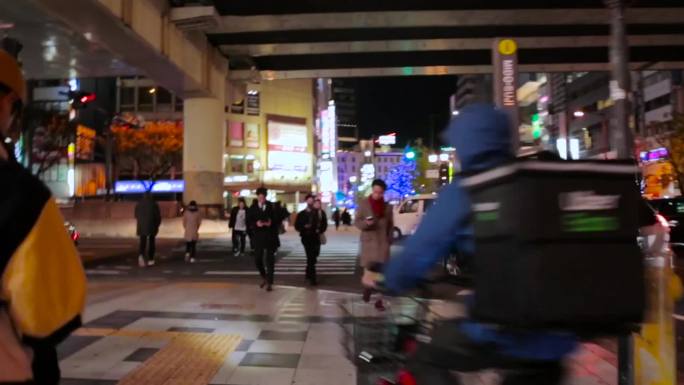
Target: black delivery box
{"type": "Point", "coordinates": [556, 245]}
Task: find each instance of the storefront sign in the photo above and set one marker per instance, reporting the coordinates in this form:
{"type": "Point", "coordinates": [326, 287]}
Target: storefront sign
{"type": "Point", "coordinates": [654, 155]}
{"type": "Point", "coordinates": [252, 135]}
{"type": "Point", "coordinates": [236, 134]}
{"type": "Point", "coordinates": [289, 161]}
{"type": "Point", "coordinates": [139, 187]}
{"type": "Point", "coordinates": [387, 140]}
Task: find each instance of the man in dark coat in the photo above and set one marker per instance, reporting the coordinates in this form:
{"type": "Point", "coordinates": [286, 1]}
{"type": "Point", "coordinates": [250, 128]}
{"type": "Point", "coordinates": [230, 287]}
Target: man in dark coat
{"type": "Point", "coordinates": [148, 216]}
{"type": "Point", "coordinates": [310, 224]}
{"type": "Point", "coordinates": [262, 219]}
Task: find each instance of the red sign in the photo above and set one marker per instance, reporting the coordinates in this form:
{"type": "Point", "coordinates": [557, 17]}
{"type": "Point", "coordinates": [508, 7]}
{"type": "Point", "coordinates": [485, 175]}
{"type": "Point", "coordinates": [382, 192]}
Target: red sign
{"type": "Point", "coordinates": [236, 134]}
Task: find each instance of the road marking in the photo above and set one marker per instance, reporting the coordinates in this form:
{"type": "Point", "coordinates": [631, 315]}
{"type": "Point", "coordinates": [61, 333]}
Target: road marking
{"type": "Point", "coordinates": [276, 273]}
{"type": "Point", "coordinates": [103, 272]}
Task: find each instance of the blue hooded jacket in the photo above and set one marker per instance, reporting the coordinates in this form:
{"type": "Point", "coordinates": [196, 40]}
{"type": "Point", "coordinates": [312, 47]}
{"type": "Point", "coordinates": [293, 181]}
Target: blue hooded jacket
{"type": "Point", "coordinates": [481, 135]}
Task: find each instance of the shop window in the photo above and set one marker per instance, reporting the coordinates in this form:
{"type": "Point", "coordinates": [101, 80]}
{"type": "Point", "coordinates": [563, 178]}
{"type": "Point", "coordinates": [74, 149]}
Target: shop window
{"type": "Point", "coordinates": [164, 100]}
{"type": "Point", "coordinates": [237, 166]}
{"type": "Point", "coordinates": [250, 166]}
{"type": "Point", "coordinates": [127, 101]}
{"type": "Point", "coordinates": [145, 99]}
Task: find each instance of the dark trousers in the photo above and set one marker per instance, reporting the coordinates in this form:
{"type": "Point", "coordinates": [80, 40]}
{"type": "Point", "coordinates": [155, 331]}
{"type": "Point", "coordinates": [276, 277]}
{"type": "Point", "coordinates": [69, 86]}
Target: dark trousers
{"type": "Point", "coordinates": [239, 238]}
{"type": "Point", "coordinates": [191, 247]}
{"type": "Point", "coordinates": [147, 244]}
{"type": "Point", "coordinates": [252, 245]}
{"type": "Point", "coordinates": [450, 349]}
{"type": "Point", "coordinates": [337, 225]}
{"type": "Point", "coordinates": [312, 247]}
{"type": "Point", "coordinates": [45, 365]}
{"type": "Point", "coordinates": [265, 261]}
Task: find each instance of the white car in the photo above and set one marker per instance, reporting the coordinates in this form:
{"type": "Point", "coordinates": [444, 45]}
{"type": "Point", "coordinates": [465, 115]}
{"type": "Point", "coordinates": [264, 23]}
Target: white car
{"type": "Point", "coordinates": [409, 213]}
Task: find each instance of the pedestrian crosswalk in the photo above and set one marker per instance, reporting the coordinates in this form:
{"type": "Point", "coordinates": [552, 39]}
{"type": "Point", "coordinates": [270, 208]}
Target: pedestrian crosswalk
{"type": "Point", "coordinates": [335, 259]}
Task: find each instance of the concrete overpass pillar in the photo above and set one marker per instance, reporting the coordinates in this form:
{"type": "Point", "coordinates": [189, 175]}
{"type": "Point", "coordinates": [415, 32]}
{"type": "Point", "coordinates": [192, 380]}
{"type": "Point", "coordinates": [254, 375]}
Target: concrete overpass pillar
{"type": "Point", "coordinates": [203, 146]}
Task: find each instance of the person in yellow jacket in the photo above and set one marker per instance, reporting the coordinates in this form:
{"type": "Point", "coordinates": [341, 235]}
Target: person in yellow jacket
{"type": "Point", "coordinates": [42, 281]}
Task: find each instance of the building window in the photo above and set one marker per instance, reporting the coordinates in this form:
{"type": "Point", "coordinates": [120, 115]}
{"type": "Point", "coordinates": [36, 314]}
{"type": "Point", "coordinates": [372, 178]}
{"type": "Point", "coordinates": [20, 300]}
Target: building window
{"type": "Point", "coordinates": [658, 102]}
{"type": "Point", "coordinates": [655, 78]}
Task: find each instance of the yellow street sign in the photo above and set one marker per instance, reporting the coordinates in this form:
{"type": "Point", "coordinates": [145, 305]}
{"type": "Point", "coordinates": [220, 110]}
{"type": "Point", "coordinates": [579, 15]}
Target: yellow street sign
{"type": "Point", "coordinates": [508, 47]}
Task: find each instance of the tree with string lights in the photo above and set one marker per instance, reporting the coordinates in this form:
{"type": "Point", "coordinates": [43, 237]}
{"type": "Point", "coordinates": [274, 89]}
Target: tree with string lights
{"type": "Point", "coordinates": [401, 178]}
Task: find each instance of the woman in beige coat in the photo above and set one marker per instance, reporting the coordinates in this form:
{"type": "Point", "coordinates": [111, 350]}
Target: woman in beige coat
{"type": "Point", "coordinates": [374, 219]}
{"type": "Point", "coordinates": [192, 220]}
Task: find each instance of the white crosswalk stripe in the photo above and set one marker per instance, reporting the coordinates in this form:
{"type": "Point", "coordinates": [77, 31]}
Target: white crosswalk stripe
{"type": "Point", "coordinates": [334, 260]}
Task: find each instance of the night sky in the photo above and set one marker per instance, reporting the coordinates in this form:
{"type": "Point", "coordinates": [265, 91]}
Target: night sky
{"type": "Point", "coordinates": [404, 105]}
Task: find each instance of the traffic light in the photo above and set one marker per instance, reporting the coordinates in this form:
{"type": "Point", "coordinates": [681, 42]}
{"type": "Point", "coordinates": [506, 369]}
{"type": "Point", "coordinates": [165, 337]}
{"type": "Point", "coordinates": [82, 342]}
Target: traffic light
{"type": "Point", "coordinates": [409, 153]}
{"type": "Point", "coordinates": [537, 126]}
{"type": "Point", "coordinates": [79, 99]}
{"type": "Point", "coordinates": [444, 173]}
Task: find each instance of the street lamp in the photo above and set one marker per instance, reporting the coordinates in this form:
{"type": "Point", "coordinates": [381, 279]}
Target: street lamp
{"type": "Point", "coordinates": [410, 155]}
{"type": "Point", "coordinates": [444, 157]}
{"type": "Point", "coordinates": [432, 158]}
{"type": "Point", "coordinates": [578, 113]}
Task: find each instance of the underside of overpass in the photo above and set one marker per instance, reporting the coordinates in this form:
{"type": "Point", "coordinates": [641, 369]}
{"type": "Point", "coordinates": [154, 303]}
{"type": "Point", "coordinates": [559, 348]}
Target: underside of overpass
{"type": "Point", "coordinates": [318, 38]}
{"type": "Point", "coordinates": [200, 49]}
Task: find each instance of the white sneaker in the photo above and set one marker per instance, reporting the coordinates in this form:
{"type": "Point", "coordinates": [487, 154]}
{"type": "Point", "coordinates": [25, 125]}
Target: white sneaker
{"type": "Point", "coordinates": [192, 260]}
{"type": "Point", "coordinates": [187, 257]}
{"type": "Point", "coordinates": [141, 261]}
{"type": "Point", "coordinates": [150, 263]}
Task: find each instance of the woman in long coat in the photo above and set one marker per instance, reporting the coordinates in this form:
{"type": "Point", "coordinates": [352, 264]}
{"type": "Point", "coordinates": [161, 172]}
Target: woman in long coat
{"type": "Point", "coordinates": [192, 220]}
{"type": "Point", "coordinates": [374, 218]}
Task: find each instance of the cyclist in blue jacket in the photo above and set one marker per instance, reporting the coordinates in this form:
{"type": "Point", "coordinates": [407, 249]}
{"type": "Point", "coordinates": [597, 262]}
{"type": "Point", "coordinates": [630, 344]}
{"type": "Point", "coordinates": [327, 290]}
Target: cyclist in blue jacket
{"type": "Point", "coordinates": [481, 135]}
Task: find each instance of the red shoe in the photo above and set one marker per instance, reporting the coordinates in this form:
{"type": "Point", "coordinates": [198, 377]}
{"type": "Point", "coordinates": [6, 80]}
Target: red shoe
{"type": "Point", "coordinates": [406, 378]}
{"type": "Point", "coordinates": [379, 305]}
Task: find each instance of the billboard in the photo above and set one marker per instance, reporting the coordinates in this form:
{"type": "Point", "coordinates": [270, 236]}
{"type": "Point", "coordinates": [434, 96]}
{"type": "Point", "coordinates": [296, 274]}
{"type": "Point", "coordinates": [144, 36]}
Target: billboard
{"type": "Point", "coordinates": [252, 135]}
{"type": "Point", "coordinates": [287, 136]}
{"type": "Point", "coordinates": [288, 140]}
{"type": "Point", "coordinates": [236, 134]}
{"type": "Point", "coordinates": [328, 134]}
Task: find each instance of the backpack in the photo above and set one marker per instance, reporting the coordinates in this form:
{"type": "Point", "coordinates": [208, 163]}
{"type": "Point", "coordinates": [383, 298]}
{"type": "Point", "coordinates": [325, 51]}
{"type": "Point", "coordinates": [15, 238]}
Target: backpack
{"type": "Point", "coordinates": [548, 238]}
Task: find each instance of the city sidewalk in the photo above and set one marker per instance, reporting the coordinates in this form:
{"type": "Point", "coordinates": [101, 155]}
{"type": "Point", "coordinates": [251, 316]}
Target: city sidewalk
{"type": "Point", "coordinates": [149, 332]}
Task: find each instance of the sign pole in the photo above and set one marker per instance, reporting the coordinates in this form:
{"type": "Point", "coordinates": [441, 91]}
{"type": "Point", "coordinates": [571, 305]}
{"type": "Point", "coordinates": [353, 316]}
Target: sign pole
{"type": "Point", "coordinates": [505, 60]}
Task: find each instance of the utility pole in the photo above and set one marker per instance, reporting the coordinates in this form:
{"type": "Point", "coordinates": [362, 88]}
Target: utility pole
{"type": "Point", "coordinates": [620, 87]}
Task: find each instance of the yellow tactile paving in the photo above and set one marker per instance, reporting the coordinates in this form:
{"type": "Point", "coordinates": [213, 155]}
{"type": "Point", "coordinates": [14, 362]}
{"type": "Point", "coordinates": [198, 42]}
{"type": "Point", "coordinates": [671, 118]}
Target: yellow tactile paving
{"type": "Point", "coordinates": [188, 359]}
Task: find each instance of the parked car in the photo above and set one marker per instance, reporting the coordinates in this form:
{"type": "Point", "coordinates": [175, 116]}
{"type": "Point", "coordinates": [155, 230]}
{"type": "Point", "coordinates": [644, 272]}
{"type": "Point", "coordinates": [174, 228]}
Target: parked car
{"type": "Point", "coordinates": [73, 233]}
{"type": "Point", "coordinates": [409, 213]}
{"type": "Point", "coordinates": [673, 210]}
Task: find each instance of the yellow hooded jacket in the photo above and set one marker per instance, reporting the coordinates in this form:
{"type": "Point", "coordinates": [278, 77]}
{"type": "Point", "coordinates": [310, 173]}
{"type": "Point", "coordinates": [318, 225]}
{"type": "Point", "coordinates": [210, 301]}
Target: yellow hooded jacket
{"type": "Point", "coordinates": [42, 281]}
